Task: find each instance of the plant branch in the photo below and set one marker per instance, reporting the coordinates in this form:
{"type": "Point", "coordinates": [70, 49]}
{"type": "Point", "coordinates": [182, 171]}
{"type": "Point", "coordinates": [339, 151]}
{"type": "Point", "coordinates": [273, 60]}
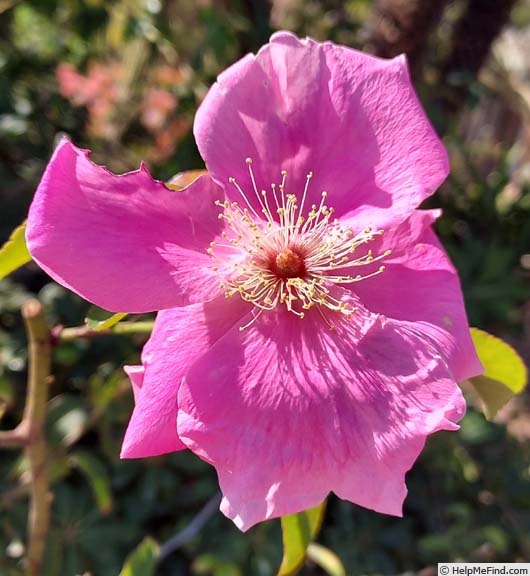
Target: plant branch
{"type": "Point", "coordinates": [30, 433]}
{"type": "Point", "coordinates": [34, 416]}
{"type": "Point", "coordinates": [16, 438]}
{"type": "Point", "coordinates": [69, 334]}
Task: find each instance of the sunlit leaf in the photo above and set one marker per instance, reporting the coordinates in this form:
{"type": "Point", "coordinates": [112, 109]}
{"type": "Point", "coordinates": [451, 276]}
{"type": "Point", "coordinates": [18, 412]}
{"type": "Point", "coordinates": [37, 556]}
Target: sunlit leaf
{"type": "Point", "coordinates": [504, 372]}
{"type": "Point", "coordinates": [142, 560]}
{"type": "Point", "coordinates": [210, 564]}
{"type": "Point", "coordinates": [182, 179]}
{"type": "Point", "coordinates": [297, 532]}
{"type": "Point", "coordinates": [67, 419]}
{"type": "Point", "coordinates": [117, 24]}
{"type": "Point", "coordinates": [326, 559]}
{"type": "Point", "coordinates": [97, 477]}
{"type": "Point", "coordinates": [100, 319]}
{"type": "Point", "coordinates": [14, 253]}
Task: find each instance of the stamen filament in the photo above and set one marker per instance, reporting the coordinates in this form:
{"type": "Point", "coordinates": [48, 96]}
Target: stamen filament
{"type": "Point", "coordinates": [285, 257]}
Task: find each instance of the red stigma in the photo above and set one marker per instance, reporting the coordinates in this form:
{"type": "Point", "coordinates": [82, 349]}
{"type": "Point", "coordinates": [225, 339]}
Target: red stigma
{"type": "Point", "coordinates": [288, 264]}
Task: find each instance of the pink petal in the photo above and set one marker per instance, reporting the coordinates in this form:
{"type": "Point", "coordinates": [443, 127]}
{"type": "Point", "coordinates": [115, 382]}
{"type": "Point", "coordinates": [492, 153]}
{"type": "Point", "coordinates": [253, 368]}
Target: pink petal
{"type": "Point", "coordinates": [126, 243]}
{"type": "Point", "coordinates": [179, 338]}
{"type": "Point", "coordinates": [136, 375]}
{"type": "Point", "coordinates": [421, 286]}
{"type": "Point", "coordinates": [352, 119]}
{"type": "Point", "coordinates": [288, 410]}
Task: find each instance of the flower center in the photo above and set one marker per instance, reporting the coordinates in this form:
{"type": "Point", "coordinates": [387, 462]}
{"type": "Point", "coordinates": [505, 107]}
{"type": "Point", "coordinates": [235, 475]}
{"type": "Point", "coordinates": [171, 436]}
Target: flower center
{"type": "Point", "coordinates": [282, 254]}
{"type": "Point", "coordinates": [288, 264]}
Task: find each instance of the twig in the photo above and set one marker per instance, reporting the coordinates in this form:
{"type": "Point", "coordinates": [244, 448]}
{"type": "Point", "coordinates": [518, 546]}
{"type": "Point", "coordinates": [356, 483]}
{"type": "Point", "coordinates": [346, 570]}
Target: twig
{"type": "Point", "coordinates": [11, 495]}
{"type": "Point", "coordinates": [30, 432]}
{"type": "Point", "coordinates": [69, 334]}
{"type": "Point", "coordinates": [34, 416]}
{"type": "Point", "coordinates": [15, 438]}
{"type": "Point", "coordinates": [191, 530]}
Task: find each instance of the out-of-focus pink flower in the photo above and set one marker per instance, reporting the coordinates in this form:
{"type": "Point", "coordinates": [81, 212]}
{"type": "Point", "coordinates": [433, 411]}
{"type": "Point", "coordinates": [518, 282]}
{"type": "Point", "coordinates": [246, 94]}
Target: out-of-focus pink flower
{"type": "Point", "coordinates": [312, 330]}
{"type": "Point", "coordinates": [69, 82]}
{"type": "Point", "coordinates": [102, 92]}
{"type": "Point", "coordinates": [99, 82]}
{"type": "Point", "coordinates": [168, 137]}
{"type": "Point", "coordinates": [156, 107]}
{"type": "Point", "coordinates": [98, 91]}
{"type": "Point", "coordinates": [171, 76]}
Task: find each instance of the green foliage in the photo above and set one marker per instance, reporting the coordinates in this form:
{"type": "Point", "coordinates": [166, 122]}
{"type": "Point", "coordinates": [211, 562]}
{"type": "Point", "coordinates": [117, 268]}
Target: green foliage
{"type": "Point", "coordinates": [326, 559]}
{"type": "Point", "coordinates": [142, 560]}
{"type": "Point", "coordinates": [211, 564]}
{"type": "Point", "coordinates": [504, 372]}
{"type": "Point", "coordinates": [67, 419]}
{"type": "Point", "coordinates": [94, 471]}
{"type": "Point", "coordinates": [297, 532]}
{"type": "Point", "coordinates": [100, 319]}
{"type": "Point", "coordinates": [14, 253]}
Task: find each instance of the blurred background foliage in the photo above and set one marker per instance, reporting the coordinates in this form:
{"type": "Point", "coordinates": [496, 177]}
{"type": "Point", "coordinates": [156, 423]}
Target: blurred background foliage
{"type": "Point", "coordinates": [124, 78]}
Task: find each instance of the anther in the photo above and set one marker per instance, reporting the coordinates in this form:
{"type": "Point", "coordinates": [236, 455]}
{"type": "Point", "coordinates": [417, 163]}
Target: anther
{"type": "Point", "coordinates": [290, 256]}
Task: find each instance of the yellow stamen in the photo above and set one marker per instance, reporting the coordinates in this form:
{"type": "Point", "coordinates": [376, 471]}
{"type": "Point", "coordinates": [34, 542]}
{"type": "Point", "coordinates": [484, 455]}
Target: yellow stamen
{"type": "Point", "coordinates": [285, 257]}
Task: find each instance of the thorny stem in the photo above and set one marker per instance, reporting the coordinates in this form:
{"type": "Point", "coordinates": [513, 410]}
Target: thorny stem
{"type": "Point", "coordinates": [35, 414]}
{"type": "Point", "coordinates": [14, 438]}
{"type": "Point", "coordinates": [30, 432]}
{"type": "Point", "coordinates": [69, 334]}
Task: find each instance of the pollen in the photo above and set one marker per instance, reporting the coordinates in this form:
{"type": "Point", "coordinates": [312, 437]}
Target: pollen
{"type": "Point", "coordinates": [278, 250]}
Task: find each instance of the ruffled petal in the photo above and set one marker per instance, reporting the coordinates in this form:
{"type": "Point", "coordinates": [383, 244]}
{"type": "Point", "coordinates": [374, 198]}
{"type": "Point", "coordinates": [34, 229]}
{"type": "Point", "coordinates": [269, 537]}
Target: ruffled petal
{"type": "Point", "coordinates": [288, 411]}
{"type": "Point", "coordinates": [351, 119]}
{"type": "Point", "coordinates": [136, 376]}
{"type": "Point", "coordinates": [179, 338]}
{"type": "Point", "coordinates": [126, 243]}
{"type": "Point", "coordinates": [420, 285]}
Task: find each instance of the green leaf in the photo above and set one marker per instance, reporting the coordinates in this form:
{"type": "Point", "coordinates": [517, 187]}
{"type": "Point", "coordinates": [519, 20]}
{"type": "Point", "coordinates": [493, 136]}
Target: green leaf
{"type": "Point", "coordinates": [14, 253]}
{"type": "Point", "coordinates": [183, 179]}
{"type": "Point", "coordinates": [297, 531]}
{"type": "Point", "coordinates": [326, 559]}
{"type": "Point", "coordinates": [97, 477]}
{"type": "Point", "coordinates": [67, 419]}
{"type": "Point", "coordinates": [210, 564]}
{"type": "Point", "coordinates": [504, 372]}
{"type": "Point", "coordinates": [100, 319]}
{"type": "Point", "coordinates": [142, 560]}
